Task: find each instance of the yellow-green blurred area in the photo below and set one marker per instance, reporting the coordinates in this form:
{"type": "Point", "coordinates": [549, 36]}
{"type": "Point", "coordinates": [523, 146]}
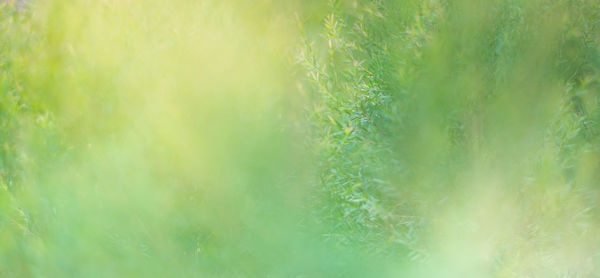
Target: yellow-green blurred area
{"type": "Point", "coordinates": [382, 138]}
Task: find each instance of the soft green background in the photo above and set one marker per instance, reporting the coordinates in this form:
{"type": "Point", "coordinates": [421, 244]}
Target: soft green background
{"type": "Point", "coordinates": [384, 138]}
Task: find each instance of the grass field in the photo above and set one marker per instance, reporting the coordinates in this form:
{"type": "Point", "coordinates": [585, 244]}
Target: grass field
{"type": "Point", "coordinates": [300, 138]}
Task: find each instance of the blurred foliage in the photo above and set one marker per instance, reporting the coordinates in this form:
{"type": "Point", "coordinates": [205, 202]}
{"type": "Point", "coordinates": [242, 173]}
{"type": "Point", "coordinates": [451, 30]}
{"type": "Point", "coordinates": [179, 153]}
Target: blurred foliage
{"type": "Point", "coordinates": [456, 134]}
{"type": "Point", "coordinates": [381, 138]}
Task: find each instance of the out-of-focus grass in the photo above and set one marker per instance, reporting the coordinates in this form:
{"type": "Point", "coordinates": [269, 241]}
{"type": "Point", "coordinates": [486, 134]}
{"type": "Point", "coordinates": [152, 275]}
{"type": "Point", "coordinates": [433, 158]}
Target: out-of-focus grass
{"type": "Point", "coordinates": [460, 136]}
{"type": "Point", "coordinates": [181, 138]}
{"type": "Point", "coordinates": [152, 139]}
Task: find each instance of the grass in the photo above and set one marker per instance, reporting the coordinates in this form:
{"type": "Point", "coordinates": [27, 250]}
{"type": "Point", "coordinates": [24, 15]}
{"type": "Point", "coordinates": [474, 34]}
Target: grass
{"type": "Point", "coordinates": [299, 138]}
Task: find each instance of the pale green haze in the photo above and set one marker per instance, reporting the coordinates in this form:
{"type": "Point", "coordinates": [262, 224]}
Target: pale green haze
{"type": "Point", "coordinates": [300, 138]}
